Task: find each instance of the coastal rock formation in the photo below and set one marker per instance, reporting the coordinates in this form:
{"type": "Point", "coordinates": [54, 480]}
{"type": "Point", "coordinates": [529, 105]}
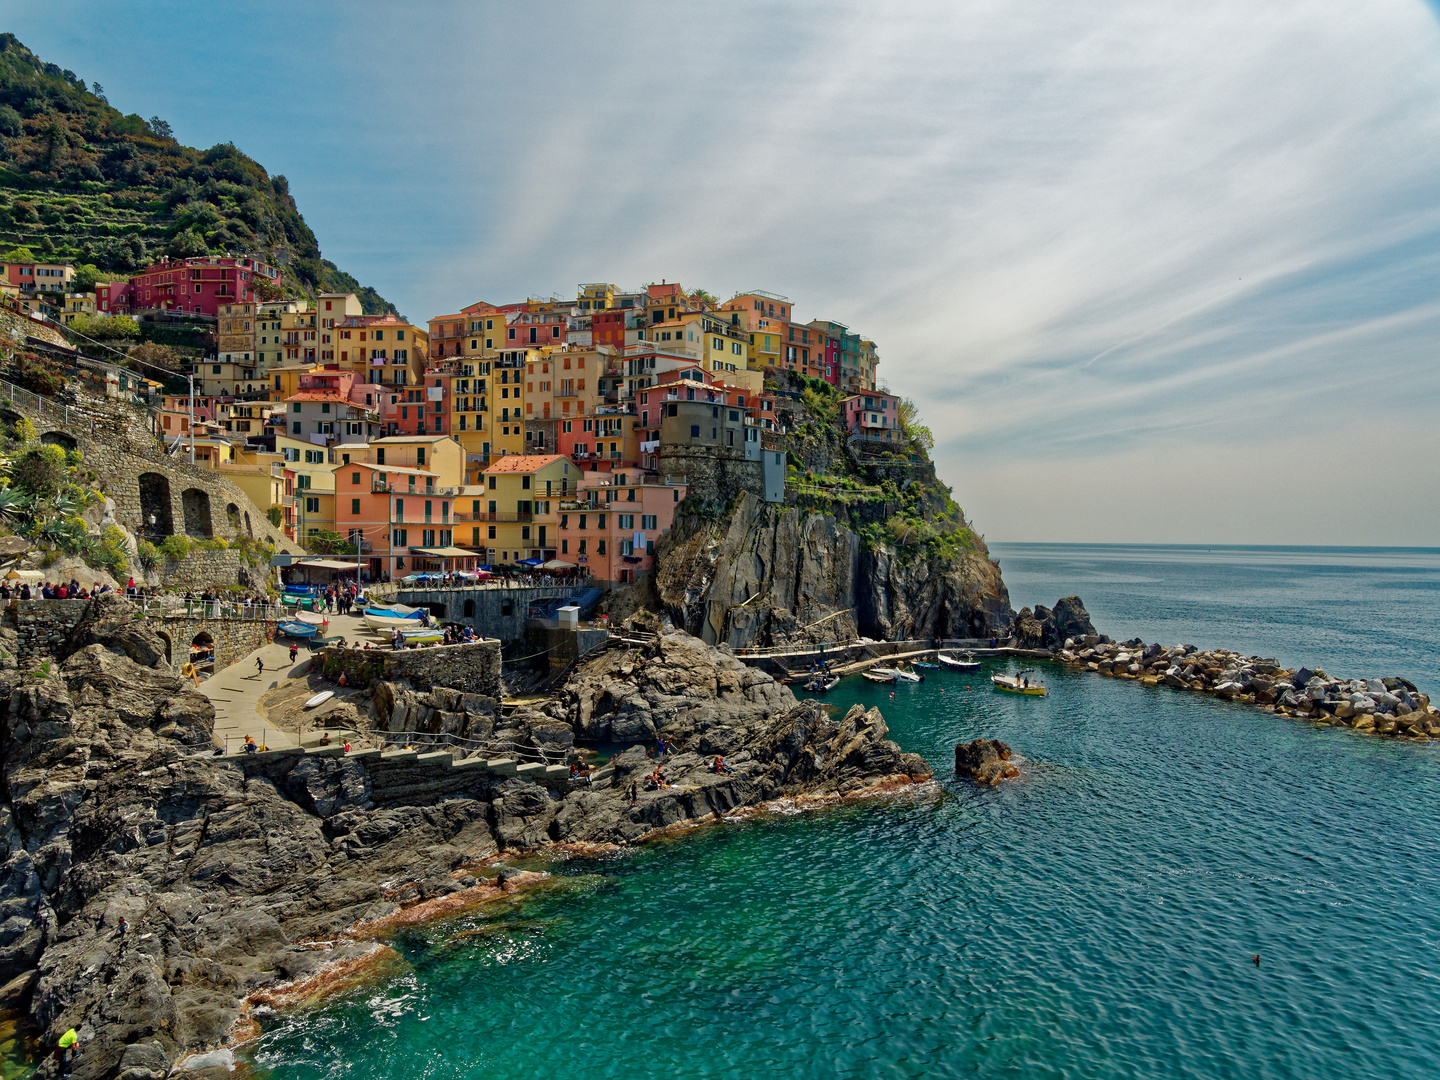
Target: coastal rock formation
{"type": "Point", "coordinates": [1048, 628]}
{"type": "Point", "coordinates": [235, 876]}
{"type": "Point", "coordinates": [1389, 706]}
{"type": "Point", "coordinates": [770, 575]}
{"type": "Point", "coordinates": [986, 761]}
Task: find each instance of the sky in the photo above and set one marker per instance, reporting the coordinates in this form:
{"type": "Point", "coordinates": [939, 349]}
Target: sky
{"type": "Point", "coordinates": [1153, 271]}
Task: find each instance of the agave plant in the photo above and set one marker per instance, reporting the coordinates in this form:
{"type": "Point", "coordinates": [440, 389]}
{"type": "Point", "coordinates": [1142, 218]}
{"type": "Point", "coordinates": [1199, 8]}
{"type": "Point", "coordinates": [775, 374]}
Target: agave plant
{"type": "Point", "coordinates": [12, 503]}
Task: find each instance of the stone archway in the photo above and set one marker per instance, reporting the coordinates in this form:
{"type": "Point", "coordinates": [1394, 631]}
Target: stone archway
{"type": "Point", "coordinates": [60, 439]}
{"type": "Point", "coordinates": [232, 516]}
{"type": "Point", "coordinates": [156, 520]}
{"type": "Point", "coordinates": [202, 651]}
{"type": "Point", "coordinates": [248, 530]}
{"type": "Point", "coordinates": [196, 505]}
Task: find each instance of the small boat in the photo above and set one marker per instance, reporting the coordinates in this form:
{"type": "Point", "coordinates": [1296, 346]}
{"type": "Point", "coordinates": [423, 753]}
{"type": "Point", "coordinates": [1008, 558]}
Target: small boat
{"type": "Point", "coordinates": [421, 635]}
{"type": "Point", "coordinates": [969, 663]}
{"type": "Point", "coordinates": [908, 676]}
{"type": "Point", "coordinates": [925, 664]}
{"type": "Point", "coordinates": [320, 698]}
{"type": "Point", "coordinates": [1025, 682]}
{"type": "Point", "coordinates": [880, 675]}
{"type": "Point", "coordinates": [822, 685]}
{"type": "Point", "coordinates": [297, 629]}
{"type": "Point", "coordinates": [380, 620]}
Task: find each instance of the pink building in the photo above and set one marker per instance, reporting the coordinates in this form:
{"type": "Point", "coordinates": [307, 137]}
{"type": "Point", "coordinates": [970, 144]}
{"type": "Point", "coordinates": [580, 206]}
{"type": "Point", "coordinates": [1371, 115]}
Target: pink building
{"type": "Point", "coordinates": [872, 416]}
{"type": "Point", "coordinates": [610, 530]}
{"type": "Point", "coordinates": [194, 286]}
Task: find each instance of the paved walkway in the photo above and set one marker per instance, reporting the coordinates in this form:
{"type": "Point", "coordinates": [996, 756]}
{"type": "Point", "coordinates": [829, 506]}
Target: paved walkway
{"type": "Point", "coordinates": [236, 690]}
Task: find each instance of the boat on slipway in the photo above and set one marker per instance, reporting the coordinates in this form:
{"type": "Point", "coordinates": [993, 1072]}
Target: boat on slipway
{"type": "Point", "coordinates": [880, 675]}
{"type": "Point", "coordinates": [391, 617]}
{"type": "Point", "coordinates": [1023, 682]}
{"type": "Point", "coordinates": [965, 663]}
{"type": "Point", "coordinates": [906, 675]}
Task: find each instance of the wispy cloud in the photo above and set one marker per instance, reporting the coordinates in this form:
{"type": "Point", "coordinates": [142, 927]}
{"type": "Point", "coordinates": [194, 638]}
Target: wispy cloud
{"type": "Point", "coordinates": [1111, 249]}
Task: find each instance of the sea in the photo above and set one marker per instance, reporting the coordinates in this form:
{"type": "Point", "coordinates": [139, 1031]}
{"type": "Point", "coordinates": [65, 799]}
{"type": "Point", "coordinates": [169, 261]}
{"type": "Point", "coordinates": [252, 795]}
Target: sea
{"type": "Point", "coordinates": [1177, 886]}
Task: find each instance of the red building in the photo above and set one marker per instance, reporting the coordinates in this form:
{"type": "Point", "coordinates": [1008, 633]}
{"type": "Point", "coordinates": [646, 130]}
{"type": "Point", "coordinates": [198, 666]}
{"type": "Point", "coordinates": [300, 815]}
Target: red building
{"type": "Point", "coordinates": [194, 286]}
{"type": "Point", "coordinates": [608, 328]}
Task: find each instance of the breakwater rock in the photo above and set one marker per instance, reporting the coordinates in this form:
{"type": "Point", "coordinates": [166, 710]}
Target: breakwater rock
{"type": "Point", "coordinates": [149, 889]}
{"type": "Point", "coordinates": [1387, 706]}
{"type": "Point", "coordinates": [986, 761]}
{"type": "Point", "coordinates": [1048, 628]}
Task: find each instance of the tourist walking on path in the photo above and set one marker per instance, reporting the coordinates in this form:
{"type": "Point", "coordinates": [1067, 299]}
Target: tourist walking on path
{"type": "Point", "coordinates": [260, 666]}
{"type": "Point", "coordinates": [294, 651]}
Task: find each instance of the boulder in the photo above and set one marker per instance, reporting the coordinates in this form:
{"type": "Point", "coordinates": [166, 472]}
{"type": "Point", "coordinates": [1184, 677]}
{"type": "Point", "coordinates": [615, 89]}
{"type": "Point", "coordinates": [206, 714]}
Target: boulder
{"type": "Point", "coordinates": [986, 761]}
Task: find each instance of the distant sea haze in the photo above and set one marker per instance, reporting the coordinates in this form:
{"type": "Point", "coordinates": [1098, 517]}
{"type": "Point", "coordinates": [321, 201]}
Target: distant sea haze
{"type": "Point", "coordinates": [1354, 611]}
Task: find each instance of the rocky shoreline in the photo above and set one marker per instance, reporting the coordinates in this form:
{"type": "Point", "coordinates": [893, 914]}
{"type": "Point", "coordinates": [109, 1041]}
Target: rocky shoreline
{"type": "Point", "coordinates": [238, 879]}
{"type": "Point", "coordinates": [1388, 706]}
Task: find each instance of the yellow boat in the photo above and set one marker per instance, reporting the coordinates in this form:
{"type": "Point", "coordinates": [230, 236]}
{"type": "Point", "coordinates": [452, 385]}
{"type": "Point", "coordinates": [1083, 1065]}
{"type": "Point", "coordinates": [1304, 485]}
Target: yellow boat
{"type": "Point", "coordinates": [1023, 683]}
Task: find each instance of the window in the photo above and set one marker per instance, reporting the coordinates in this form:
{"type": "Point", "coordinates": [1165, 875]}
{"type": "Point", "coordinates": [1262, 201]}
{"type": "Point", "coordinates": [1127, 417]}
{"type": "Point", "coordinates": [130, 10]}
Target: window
{"type": "Point", "coordinates": [492, 532]}
{"type": "Point", "coordinates": [627, 521]}
{"type": "Point", "coordinates": [524, 532]}
{"type": "Point", "coordinates": [525, 483]}
{"type": "Point", "coordinates": [399, 509]}
{"type": "Point", "coordinates": [401, 537]}
{"type": "Point", "coordinates": [647, 522]}
{"type": "Point", "coordinates": [600, 546]}
{"type": "Point", "coordinates": [694, 429]}
{"type": "Point", "coordinates": [312, 506]}
{"type": "Point", "coordinates": [564, 547]}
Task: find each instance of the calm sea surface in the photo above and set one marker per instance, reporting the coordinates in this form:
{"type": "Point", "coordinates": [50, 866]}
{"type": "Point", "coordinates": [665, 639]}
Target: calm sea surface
{"type": "Point", "coordinates": [1096, 919]}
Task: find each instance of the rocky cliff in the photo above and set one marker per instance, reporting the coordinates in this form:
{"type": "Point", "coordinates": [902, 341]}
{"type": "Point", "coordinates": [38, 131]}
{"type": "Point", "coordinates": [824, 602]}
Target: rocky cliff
{"type": "Point", "coordinates": [772, 575]}
{"type": "Point", "coordinates": [237, 877]}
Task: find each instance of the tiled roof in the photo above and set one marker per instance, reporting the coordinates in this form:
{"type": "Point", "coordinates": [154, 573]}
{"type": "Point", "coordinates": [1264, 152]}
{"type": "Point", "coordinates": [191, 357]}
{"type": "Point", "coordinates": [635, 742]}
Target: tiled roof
{"type": "Point", "coordinates": [523, 463]}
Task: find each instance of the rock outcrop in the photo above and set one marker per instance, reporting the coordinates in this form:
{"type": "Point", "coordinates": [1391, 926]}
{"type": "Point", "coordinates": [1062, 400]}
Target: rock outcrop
{"type": "Point", "coordinates": [235, 877]}
{"type": "Point", "coordinates": [769, 575]}
{"type": "Point", "coordinates": [986, 761]}
{"type": "Point", "coordinates": [1048, 628]}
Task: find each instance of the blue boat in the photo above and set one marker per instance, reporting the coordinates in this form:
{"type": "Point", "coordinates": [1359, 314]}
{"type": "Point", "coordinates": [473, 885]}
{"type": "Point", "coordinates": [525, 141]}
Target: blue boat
{"type": "Point", "coordinates": [300, 590]}
{"type": "Point", "coordinates": [391, 613]}
{"type": "Point", "coordinates": [297, 629]}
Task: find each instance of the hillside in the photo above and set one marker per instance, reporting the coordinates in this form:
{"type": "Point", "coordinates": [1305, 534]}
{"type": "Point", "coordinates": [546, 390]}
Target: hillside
{"type": "Point", "coordinates": [81, 182]}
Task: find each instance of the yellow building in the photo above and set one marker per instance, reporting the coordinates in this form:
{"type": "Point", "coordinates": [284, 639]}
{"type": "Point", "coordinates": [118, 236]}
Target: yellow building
{"type": "Point", "coordinates": [436, 454]}
{"type": "Point", "coordinates": [77, 304]}
{"type": "Point", "coordinates": [597, 296]}
{"type": "Point", "coordinates": [506, 420]}
{"type": "Point", "coordinates": [285, 381]}
{"type": "Point", "coordinates": [519, 510]}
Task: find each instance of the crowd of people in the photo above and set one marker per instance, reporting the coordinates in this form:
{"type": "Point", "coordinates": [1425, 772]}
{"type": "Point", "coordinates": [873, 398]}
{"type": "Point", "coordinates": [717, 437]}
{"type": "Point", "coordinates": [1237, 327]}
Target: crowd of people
{"type": "Point", "coordinates": [50, 590]}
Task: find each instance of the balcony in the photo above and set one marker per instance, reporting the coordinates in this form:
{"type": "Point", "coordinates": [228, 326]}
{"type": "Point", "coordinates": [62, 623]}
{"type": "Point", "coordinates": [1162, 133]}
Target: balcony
{"type": "Point", "coordinates": [496, 516]}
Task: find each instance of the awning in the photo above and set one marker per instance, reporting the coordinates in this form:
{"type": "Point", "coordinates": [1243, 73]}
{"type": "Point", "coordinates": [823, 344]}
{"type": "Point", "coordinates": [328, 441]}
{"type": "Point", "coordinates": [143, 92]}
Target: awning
{"type": "Point", "coordinates": [558, 564]}
{"type": "Point", "coordinates": [325, 564]}
{"type": "Point", "coordinates": [25, 575]}
{"type": "Point", "coordinates": [530, 562]}
{"type": "Point", "coordinates": [445, 553]}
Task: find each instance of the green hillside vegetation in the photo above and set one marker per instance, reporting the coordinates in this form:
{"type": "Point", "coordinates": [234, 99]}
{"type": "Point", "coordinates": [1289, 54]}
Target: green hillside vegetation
{"type": "Point", "coordinates": [81, 182]}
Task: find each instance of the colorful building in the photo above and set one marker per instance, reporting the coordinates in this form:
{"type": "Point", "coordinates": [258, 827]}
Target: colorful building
{"type": "Point", "coordinates": [197, 286]}
{"type": "Point", "coordinates": [874, 416]}
{"type": "Point", "coordinates": [611, 526]}
{"type": "Point", "coordinates": [520, 507]}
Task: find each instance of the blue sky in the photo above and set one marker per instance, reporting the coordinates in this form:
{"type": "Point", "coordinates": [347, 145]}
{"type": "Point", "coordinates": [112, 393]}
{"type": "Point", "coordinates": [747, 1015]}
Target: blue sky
{"type": "Point", "coordinates": [1154, 271]}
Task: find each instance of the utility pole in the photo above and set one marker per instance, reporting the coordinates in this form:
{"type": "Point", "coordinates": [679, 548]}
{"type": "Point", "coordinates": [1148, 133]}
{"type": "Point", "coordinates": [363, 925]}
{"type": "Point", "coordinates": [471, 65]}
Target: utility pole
{"type": "Point", "coordinates": [191, 377]}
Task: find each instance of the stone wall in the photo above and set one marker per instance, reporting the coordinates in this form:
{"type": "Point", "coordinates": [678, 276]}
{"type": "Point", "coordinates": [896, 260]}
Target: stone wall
{"type": "Point", "coordinates": [233, 638]}
{"type": "Point", "coordinates": [471, 668]}
{"type": "Point", "coordinates": [44, 626]}
{"type": "Point", "coordinates": [120, 448]}
{"type": "Point", "coordinates": [214, 571]}
{"type": "Point", "coordinates": [487, 613]}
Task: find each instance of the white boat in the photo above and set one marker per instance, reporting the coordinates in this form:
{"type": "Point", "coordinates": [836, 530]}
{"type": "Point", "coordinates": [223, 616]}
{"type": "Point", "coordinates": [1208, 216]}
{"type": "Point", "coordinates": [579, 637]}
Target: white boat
{"type": "Point", "coordinates": [320, 698]}
{"type": "Point", "coordinates": [1026, 683]}
{"type": "Point", "coordinates": [907, 675]}
{"type": "Point", "coordinates": [880, 675]}
{"type": "Point", "coordinates": [390, 622]}
{"type": "Point", "coordinates": [958, 665]}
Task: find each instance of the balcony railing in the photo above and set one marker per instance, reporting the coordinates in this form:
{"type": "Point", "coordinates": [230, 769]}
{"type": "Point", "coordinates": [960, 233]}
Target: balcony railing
{"type": "Point", "coordinates": [497, 516]}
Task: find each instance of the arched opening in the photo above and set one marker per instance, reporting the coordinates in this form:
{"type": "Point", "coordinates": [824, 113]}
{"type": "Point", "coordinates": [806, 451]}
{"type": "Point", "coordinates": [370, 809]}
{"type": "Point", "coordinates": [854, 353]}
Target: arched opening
{"type": "Point", "coordinates": [60, 439]}
{"type": "Point", "coordinates": [469, 609]}
{"type": "Point", "coordinates": [155, 518]}
{"type": "Point", "coordinates": [438, 610]}
{"type": "Point", "coordinates": [196, 505]}
{"type": "Point", "coordinates": [10, 416]}
{"type": "Point", "coordinates": [169, 655]}
{"type": "Point", "coordinates": [202, 652]}
{"type": "Point", "coordinates": [248, 530]}
{"type": "Point", "coordinates": [232, 516]}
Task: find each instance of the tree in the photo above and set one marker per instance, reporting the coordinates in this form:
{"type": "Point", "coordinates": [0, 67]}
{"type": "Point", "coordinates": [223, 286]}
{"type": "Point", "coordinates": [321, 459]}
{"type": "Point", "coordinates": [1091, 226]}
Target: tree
{"type": "Point", "coordinates": [40, 470]}
{"type": "Point", "coordinates": [150, 355]}
{"type": "Point", "coordinates": [10, 123]}
{"type": "Point", "coordinates": [99, 92]}
{"type": "Point", "coordinates": [918, 433]}
{"type": "Point", "coordinates": [161, 128]}
{"type": "Point", "coordinates": [86, 276]}
{"type": "Point", "coordinates": [188, 244]}
{"type": "Point", "coordinates": [106, 327]}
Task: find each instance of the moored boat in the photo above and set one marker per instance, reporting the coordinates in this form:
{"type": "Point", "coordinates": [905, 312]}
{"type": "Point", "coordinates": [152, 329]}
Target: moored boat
{"type": "Point", "coordinates": [822, 685]}
{"type": "Point", "coordinates": [907, 675]}
{"type": "Point", "coordinates": [925, 664]}
{"type": "Point", "coordinates": [297, 629]}
{"type": "Point", "coordinates": [967, 663]}
{"type": "Point", "coordinates": [389, 620]}
{"type": "Point", "coordinates": [1024, 682]}
{"type": "Point", "coordinates": [880, 675]}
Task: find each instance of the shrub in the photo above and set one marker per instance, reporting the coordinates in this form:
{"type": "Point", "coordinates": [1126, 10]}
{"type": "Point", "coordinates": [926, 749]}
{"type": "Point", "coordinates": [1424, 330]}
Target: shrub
{"type": "Point", "coordinates": [275, 515]}
{"type": "Point", "coordinates": [147, 554]}
{"type": "Point", "coordinates": [176, 547]}
{"type": "Point", "coordinates": [39, 470]}
{"type": "Point", "coordinates": [109, 553]}
{"type": "Point", "coordinates": [25, 431]}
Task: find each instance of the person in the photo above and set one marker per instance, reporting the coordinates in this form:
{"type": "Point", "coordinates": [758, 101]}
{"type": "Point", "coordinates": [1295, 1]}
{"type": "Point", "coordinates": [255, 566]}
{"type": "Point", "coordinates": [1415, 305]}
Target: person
{"type": "Point", "coordinates": [718, 765]}
{"type": "Point", "coordinates": [260, 664]}
{"type": "Point", "coordinates": [634, 792]}
{"type": "Point", "coordinates": [65, 1051]}
{"type": "Point", "coordinates": [121, 926]}
{"type": "Point", "coordinates": [347, 746]}
{"type": "Point", "coordinates": [325, 739]}
{"type": "Point", "coordinates": [191, 672]}
{"type": "Point", "coordinates": [25, 591]}
{"type": "Point", "coordinates": [250, 746]}
{"type": "Point", "coordinates": [294, 651]}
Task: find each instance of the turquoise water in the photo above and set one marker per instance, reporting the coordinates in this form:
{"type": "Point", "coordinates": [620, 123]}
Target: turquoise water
{"type": "Point", "coordinates": [1097, 918]}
